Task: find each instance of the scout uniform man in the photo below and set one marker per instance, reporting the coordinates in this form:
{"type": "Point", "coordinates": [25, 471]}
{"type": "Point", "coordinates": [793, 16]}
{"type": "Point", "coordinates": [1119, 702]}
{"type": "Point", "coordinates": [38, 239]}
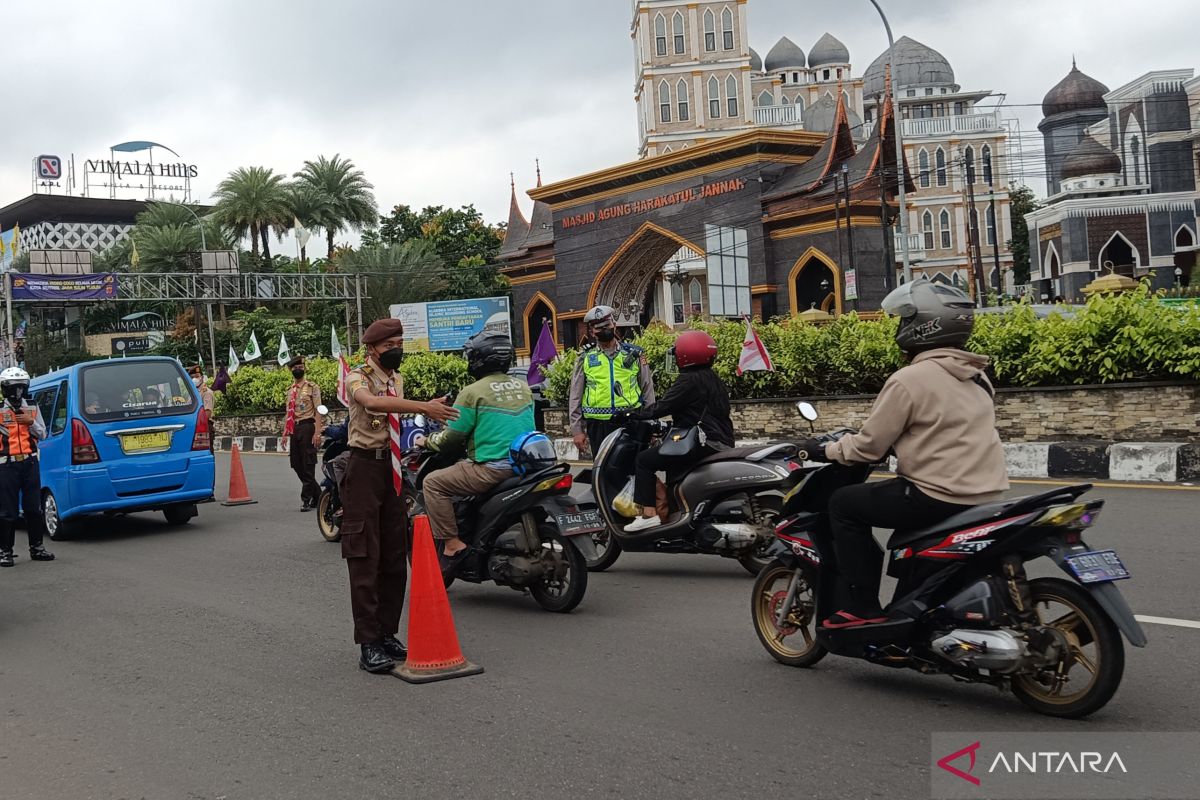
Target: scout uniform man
{"type": "Point", "coordinates": [20, 474]}
{"type": "Point", "coordinates": [302, 430]}
{"type": "Point", "coordinates": [207, 398]}
{"type": "Point", "coordinates": [610, 376]}
{"type": "Point", "coordinates": [374, 524]}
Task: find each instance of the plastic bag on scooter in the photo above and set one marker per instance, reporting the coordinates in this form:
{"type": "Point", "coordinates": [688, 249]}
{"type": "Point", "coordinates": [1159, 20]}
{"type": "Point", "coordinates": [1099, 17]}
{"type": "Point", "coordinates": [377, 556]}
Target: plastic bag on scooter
{"type": "Point", "coordinates": [623, 503]}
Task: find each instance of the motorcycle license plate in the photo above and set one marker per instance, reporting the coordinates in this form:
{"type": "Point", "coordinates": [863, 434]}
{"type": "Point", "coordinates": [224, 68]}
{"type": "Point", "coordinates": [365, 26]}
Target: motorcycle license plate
{"type": "Point", "coordinates": [1099, 566]}
{"type": "Point", "coordinates": [587, 521]}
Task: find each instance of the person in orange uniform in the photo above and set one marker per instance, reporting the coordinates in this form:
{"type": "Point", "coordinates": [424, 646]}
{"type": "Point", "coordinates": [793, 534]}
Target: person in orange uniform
{"type": "Point", "coordinates": [374, 523]}
{"type": "Point", "coordinates": [20, 475]}
{"type": "Point", "coordinates": [302, 428]}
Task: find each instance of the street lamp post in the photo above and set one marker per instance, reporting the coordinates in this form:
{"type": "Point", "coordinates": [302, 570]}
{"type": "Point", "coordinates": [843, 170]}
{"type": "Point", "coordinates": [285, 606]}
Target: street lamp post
{"type": "Point", "coordinates": [900, 171]}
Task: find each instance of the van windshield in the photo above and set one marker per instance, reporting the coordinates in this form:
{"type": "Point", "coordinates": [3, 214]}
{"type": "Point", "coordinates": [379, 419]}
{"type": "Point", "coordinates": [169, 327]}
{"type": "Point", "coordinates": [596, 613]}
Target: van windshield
{"type": "Point", "coordinates": [120, 389]}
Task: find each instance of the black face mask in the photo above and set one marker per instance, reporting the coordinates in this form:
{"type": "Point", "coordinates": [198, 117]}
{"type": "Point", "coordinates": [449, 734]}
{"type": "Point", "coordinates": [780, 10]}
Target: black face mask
{"type": "Point", "coordinates": [606, 334]}
{"type": "Point", "coordinates": [297, 374]}
{"type": "Point", "coordinates": [14, 394]}
{"type": "Point", "coordinates": [390, 359]}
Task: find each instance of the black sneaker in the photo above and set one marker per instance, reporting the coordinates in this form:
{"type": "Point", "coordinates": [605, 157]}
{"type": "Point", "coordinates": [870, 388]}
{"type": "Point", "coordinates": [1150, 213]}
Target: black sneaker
{"type": "Point", "coordinates": [40, 554]}
{"type": "Point", "coordinates": [6, 558]}
{"type": "Point", "coordinates": [374, 659]}
{"type": "Point", "coordinates": [395, 648]}
{"type": "Point", "coordinates": [306, 508]}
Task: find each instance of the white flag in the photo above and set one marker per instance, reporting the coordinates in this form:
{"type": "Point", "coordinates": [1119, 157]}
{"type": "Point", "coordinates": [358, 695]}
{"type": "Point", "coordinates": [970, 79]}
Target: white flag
{"type": "Point", "coordinates": [335, 347]}
{"type": "Point", "coordinates": [284, 356]}
{"type": "Point", "coordinates": [754, 354]}
{"type": "Point", "coordinates": [252, 351]}
{"type": "Point", "coordinates": [303, 234]}
{"type": "Point", "coordinates": [233, 361]}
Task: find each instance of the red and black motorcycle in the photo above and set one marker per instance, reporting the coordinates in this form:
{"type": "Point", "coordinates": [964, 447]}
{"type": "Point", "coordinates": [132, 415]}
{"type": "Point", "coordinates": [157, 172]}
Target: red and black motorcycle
{"type": "Point", "coordinates": [963, 605]}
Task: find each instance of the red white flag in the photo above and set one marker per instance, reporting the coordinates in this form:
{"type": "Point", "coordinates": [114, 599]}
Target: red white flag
{"type": "Point", "coordinates": [754, 354]}
{"type": "Point", "coordinates": [343, 375]}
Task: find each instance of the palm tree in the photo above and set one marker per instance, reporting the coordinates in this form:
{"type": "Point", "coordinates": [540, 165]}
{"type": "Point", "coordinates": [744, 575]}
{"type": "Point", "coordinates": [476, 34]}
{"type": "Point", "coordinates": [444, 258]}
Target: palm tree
{"type": "Point", "coordinates": [346, 191]}
{"type": "Point", "coordinates": [399, 273]}
{"type": "Point", "coordinates": [309, 206]}
{"type": "Point", "coordinates": [253, 200]}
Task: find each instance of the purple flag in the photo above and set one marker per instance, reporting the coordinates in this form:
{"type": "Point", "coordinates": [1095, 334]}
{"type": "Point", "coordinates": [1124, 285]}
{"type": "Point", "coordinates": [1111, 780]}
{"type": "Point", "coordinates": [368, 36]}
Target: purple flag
{"type": "Point", "coordinates": [543, 354]}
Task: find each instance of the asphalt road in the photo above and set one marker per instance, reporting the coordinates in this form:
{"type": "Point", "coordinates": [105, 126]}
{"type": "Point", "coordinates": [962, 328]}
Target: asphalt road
{"type": "Point", "coordinates": [215, 661]}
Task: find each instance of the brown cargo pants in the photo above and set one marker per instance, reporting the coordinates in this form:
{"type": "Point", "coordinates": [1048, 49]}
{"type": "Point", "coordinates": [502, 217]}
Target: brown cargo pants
{"type": "Point", "coordinates": [464, 479]}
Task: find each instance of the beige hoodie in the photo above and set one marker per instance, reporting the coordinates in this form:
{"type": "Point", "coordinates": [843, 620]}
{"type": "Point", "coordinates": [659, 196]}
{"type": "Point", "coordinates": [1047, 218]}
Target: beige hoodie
{"type": "Point", "coordinates": [942, 425]}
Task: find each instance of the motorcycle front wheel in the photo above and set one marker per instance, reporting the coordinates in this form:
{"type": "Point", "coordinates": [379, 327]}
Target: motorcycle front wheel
{"type": "Point", "coordinates": [560, 593]}
{"type": "Point", "coordinates": [327, 523]}
{"type": "Point", "coordinates": [1090, 670]}
{"type": "Point", "coordinates": [794, 643]}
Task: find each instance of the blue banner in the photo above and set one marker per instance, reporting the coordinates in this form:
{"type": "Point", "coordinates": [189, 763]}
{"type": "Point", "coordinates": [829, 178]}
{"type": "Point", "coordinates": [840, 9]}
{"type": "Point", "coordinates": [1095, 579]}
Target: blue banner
{"type": "Point", "coordinates": [446, 325]}
{"type": "Point", "coordinates": [101, 286]}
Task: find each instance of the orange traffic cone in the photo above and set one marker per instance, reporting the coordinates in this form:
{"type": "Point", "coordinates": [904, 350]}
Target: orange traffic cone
{"type": "Point", "coordinates": [239, 493]}
{"type": "Point", "coordinates": [433, 650]}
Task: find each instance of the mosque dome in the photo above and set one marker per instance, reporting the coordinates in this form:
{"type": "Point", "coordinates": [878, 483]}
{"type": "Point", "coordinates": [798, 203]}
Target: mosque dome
{"type": "Point", "coordinates": [1090, 158]}
{"type": "Point", "coordinates": [786, 54]}
{"type": "Point", "coordinates": [828, 50]}
{"type": "Point", "coordinates": [1076, 92]}
{"type": "Point", "coordinates": [914, 65]}
{"type": "Point", "coordinates": [756, 62]}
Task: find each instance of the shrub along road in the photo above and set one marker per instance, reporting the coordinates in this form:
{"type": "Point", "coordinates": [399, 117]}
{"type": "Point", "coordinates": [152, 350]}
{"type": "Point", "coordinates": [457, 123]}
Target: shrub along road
{"type": "Point", "coordinates": [215, 661]}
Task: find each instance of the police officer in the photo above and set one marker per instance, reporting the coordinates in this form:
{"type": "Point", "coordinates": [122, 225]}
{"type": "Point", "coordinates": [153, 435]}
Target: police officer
{"type": "Point", "coordinates": [374, 524]}
{"type": "Point", "coordinates": [20, 475]}
{"type": "Point", "coordinates": [302, 428]}
{"type": "Point", "coordinates": [610, 376]}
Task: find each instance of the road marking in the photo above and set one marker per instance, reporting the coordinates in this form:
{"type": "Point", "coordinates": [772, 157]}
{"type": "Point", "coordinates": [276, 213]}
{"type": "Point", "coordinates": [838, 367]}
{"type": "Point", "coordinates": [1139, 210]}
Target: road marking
{"type": "Point", "coordinates": [1099, 484]}
{"type": "Point", "coordinates": [1178, 623]}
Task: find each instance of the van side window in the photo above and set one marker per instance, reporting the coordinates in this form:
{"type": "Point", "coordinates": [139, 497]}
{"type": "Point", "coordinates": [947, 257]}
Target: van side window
{"type": "Point", "coordinates": [59, 421]}
{"type": "Point", "coordinates": [45, 402]}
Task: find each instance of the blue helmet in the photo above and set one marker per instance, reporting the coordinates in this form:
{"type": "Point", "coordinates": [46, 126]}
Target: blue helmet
{"type": "Point", "coordinates": [532, 452]}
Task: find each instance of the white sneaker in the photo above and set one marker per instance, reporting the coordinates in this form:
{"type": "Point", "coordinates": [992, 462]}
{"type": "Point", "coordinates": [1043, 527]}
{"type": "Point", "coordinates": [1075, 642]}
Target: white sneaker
{"type": "Point", "coordinates": [643, 524]}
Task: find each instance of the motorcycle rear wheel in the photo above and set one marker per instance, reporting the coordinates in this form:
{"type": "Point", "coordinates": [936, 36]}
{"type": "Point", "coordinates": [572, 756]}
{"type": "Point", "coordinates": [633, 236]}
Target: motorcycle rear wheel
{"type": "Point", "coordinates": [608, 550]}
{"type": "Point", "coordinates": [770, 592]}
{"type": "Point", "coordinates": [1098, 654]}
{"type": "Point", "coordinates": [561, 596]}
{"type": "Point", "coordinates": [326, 522]}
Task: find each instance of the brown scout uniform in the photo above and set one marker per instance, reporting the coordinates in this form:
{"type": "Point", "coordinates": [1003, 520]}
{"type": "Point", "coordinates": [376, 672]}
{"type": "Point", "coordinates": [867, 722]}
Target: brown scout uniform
{"type": "Point", "coordinates": [374, 523]}
{"type": "Point", "coordinates": [302, 453]}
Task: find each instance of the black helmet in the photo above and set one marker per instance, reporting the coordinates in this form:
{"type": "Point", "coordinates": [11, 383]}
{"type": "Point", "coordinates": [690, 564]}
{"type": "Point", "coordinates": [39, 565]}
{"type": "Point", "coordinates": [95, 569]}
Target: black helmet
{"type": "Point", "coordinates": [931, 315]}
{"type": "Point", "coordinates": [487, 353]}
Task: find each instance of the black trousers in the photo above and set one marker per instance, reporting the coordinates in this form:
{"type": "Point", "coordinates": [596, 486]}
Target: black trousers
{"type": "Point", "coordinates": [650, 461]}
{"type": "Point", "coordinates": [302, 454]}
{"type": "Point", "coordinates": [597, 431]}
{"type": "Point", "coordinates": [21, 491]}
{"type": "Point", "coordinates": [853, 511]}
{"type": "Point", "coordinates": [374, 543]}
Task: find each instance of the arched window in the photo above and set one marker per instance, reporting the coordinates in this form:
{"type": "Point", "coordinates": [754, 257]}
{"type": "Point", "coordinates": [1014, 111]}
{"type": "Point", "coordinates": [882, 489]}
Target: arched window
{"type": "Point", "coordinates": [927, 229]}
{"type": "Point", "coordinates": [846, 99]}
{"type": "Point", "coordinates": [677, 303]}
{"type": "Point", "coordinates": [695, 297]}
{"type": "Point", "coordinates": [986, 157]}
{"type": "Point", "coordinates": [969, 158]}
{"type": "Point", "coordinates": [660, 35]}
{"type": "Point", "coordinates": [710, 32]}
{"type": "Point", "coordinates": [664, 102]}
{"type": "Point", "coordinates": [940, 164]}
{"type": "Point", "coordinates": [799, 103]}
{"type": "Point", "coordinates": [944, 226]}
{"type": "Point", "coordinates": [785, 100]}
{"type": "Point", "coordinates": [765, 99]}
{"type": "Point", "coordinates": [923, 166]}
{"type": "Point", "coordinates": [1184, 237]}
{"type": "Point", "coordinates": [731, 95]}
{"type": "Point", "coordinates": [727, 29]}
{"type": "Point", "coordinates": [1135, 152]}
{"type": "Point", "coordinates": [681, 98]}
{"type": "Point", "coordinates": [714, 98]}
{"type": "Point", "coordinates": [677, 31]}
{"type": "Point", "coordinates": [990, 216]}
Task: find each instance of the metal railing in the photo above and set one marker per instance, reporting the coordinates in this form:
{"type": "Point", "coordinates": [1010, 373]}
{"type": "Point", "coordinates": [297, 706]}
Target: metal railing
{"type": "Point", "coordinates": [916, 246]}
{"type": "Point", "coordinates": [767, 116]}
{"type": "Point", "coordinates": [958, 124]}
{"type": "Point", "coordinates": [234, 288]}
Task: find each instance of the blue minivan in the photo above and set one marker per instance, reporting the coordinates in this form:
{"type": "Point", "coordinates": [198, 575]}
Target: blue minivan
{"type": "Point", "coordinates": [123, 435]}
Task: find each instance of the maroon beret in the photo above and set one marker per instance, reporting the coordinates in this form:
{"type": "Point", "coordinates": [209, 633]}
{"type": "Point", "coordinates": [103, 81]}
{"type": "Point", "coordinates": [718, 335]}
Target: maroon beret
{"type": "Point", "coordinates": [382, 329]}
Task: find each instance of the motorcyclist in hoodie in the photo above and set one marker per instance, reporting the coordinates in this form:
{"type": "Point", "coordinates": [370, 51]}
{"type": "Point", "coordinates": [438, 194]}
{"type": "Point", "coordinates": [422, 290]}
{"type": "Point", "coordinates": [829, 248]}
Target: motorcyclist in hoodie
{"type": "Point", "coordinates": [937, 415]}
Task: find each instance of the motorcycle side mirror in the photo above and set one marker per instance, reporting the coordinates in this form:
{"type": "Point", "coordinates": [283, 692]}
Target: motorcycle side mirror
{"type": "Point", "coordinates": [419, 421]}
{"type": "Point", "coordinates": [322, 410]}
{"type": "Point", "coordinates": [807, 410]}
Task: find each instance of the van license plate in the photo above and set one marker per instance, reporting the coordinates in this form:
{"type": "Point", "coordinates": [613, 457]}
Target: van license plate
{"type": "Point", "coordinates": [146, 442]}
{"type": "Point", "coordinates": [1097, 567]}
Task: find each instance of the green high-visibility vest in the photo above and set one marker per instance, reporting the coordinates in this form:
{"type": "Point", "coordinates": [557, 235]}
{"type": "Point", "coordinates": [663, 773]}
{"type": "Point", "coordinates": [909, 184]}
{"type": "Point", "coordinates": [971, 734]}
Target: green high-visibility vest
{"type": "Point", "coordinates": [610, 383]}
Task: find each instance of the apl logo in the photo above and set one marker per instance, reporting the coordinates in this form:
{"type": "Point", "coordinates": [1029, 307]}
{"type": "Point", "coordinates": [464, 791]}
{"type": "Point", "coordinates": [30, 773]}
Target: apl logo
{"type": "Point", "coordinates": [49, 168]}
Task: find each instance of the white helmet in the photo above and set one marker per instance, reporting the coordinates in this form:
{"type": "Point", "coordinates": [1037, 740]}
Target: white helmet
{"type": "Point", "coordinates": [14, 375]}
{"type": "Point", "coordinates": [14, 383]}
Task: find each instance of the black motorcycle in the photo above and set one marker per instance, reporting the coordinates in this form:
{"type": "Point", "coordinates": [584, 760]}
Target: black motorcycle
{"type": "Point", "coordinates": [963, 605]}
{"type": "Point", "coordinates": [329, 505]}
{"type": "Point", "coordinates": [527, 534]}
{"type": "Point", "coordinates": [725, 504]}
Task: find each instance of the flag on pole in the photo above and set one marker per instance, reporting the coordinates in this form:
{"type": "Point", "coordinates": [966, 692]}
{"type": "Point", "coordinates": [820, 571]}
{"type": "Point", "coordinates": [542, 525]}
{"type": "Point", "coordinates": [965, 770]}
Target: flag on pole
{"type": "Point", "coordinates": [15, 244]}
{"type": "Point", "coordinates": [335, 347]}
{"type": "Point", "coordinates": [3, 250]}
{"type": "Point", "coordinates": [252, 351]}
{"type": "Point", "coordinates": [233, 361]}
{"type": "Point", "coordinates": [284, 356]}
{"type": "Point", "coordinates": [543, 353]}
{"type": "Point", "coordinates": [134, 258]}
{"type": "Point", "coordinates": [754, 354]}
{"type": "Point", "coordinates": [343, 377]}
{"type": "Point", "coordinates": [303, 234]}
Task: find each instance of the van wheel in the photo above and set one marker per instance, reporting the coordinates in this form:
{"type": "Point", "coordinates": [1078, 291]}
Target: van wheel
{"type": "Point", "coordinates": [57, 528]}
{"type": "Point", "coordinates": [180, 515]}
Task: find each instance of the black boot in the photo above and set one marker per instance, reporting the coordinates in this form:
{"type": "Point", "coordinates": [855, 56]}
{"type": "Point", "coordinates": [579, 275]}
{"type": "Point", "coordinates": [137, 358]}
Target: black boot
{"type": "Point", "coordinates": [395, 648]}
{"type": "Point", "coordinates": [6, 558]}
{"type": "Point", "coordinates": [40, 553]}
{"type": "Point", "coordinates": [375, 659]}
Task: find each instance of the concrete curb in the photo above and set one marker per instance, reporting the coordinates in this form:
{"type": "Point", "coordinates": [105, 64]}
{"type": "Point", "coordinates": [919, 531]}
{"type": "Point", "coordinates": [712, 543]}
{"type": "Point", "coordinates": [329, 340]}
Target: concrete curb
{"type": "Point", "coordinates": [1152, 462]}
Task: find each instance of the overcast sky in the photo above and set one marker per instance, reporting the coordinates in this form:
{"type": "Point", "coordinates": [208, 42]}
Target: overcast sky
{"type": "Point", "coordinates": [438, 101]}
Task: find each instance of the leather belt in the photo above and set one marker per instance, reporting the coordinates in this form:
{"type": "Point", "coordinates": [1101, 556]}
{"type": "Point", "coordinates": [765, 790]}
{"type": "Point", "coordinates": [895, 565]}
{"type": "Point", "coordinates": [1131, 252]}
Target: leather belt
{"type": "Point", "coordinates": [378, 455]}
{"type": "Point", "coordinates": [16, 459]}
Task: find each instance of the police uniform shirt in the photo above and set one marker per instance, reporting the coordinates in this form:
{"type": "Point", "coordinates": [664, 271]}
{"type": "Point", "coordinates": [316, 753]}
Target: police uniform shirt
{"type": "Point", "coordinates": [368, 430]}
{"type": "Point", "coordinates": [8, 425]}
{"type": "Point", "coordinates": [308, 396]}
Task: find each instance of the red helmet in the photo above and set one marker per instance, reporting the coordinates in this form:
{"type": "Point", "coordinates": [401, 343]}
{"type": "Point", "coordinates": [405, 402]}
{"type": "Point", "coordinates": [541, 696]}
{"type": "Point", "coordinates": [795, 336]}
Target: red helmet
{"type": "Point", "coordinates": [694, 349]}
